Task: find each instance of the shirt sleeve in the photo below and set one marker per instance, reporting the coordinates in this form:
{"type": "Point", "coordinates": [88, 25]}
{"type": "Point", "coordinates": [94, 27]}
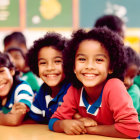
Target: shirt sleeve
{"type": "Point", "coordinates": [24, 94]}
{"type": "Point", "coordinates": [120, 103]}
{"type": "Point", "coordinates": [36, 112]}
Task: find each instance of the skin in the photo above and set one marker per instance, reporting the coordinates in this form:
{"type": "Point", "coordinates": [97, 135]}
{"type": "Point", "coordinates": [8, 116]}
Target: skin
{"type": "Point", "coordinates": [50, 68]}
{"type": "Point", "coordinates": [19, 110]}
{"type": "Point", "coordinates": [130, 74]}
{"type": "Point", "coordinates": [18, 60]}
{"type": "Point", "coordinates": [91, 68]}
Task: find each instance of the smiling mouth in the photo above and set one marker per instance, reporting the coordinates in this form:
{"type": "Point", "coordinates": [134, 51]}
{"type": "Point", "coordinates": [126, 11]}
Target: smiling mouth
{"type": "Point", "coordinates": [2, 86]}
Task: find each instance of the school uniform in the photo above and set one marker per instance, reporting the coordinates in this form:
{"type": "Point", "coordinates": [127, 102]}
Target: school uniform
{"type": "Point", "coordinates": [114, 106]}
{"type": "Point", "coordinates": [20, 92]}
{"type": "Point", "coordinates": [44, 105]}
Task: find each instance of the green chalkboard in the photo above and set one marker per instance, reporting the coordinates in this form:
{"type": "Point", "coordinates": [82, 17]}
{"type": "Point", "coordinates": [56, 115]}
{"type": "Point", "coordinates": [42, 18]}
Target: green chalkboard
{"type": "Point", "coordinates": [48, 13]}
{"type": "Point", "coordinates": [9, 13]}
{"type": "Point", "coordinates": [90, 10]}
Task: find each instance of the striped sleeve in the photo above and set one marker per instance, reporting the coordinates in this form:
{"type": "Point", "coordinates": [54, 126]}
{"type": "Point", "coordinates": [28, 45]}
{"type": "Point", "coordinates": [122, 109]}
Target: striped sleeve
{"type": "Point", "coordinates": [24, 94]}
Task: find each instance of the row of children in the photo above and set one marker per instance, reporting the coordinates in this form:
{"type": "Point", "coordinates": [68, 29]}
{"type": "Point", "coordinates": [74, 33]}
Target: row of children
{"type": "Point", "coordinates": [91, 68]}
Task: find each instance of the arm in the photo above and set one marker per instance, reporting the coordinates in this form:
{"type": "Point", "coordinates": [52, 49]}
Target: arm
{"type": "Point", "coordinates": [15, 116]}
{"type": "Point", "coordinates": [70, 127]}
{"type": "Point", "coordinates": [106, 130]}
{"type": "Point", "coordinates": [118, 101]}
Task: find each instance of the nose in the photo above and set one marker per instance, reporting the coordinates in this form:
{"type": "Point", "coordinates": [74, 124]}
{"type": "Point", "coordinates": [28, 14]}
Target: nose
{"type": "Point", "coordinates": [50, 66]}
{"type": "Point", "coordinates": [90, 64]}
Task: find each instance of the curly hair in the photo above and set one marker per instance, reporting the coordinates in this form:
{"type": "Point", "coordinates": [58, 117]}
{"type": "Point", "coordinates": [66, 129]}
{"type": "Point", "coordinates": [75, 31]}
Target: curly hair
{"type": "Point", "coordinates": [112, 22]}
{"type": "Point", "coordinates": [52, 39]}
{"type": "Point", "coordinates": [5, 61]}
{"type": "Point", "coordinates": [111, 41]}
{"type": "Point", "coordinates": [132, 57]}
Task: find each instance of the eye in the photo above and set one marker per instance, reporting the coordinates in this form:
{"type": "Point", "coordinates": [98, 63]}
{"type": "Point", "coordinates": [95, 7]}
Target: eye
{"type": "Point", "coordinates": [59, 61]}
{"type": "Point", "coordinates": [81, 59]}
{"type": "Point", "coordinates": [42, 63]}
{"type": "Point", "coordinates": [99, 60]}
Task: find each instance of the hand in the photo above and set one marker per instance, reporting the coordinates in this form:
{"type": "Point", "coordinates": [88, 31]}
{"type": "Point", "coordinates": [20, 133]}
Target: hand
{"type": "Point", "coordinates": [73, 127]}
{"type": "Point", "coordinates": [86, 120]}
{"type": "Point", "coordinates": [19, 108]}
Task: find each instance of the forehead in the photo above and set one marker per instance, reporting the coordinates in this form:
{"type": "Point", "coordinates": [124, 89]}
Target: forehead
{"type": "Point", "coordinates": [91, 47]}
{"type": "Point", "coordinates": [49, 52]}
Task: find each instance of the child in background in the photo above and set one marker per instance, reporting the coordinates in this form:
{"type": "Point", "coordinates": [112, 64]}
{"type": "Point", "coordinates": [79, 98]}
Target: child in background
{"type": "Point", "coordinates": [16, 39]}
{"type": "Point", "coordinates": [95, 62]}
{"type": "Point", "coordinates": [113, 22]}
{"type": "Point", "coordinates": [133, 67]}
{"type": "Point", "coordinates": [15, 95]}
{"type": "Point", "coordinates": [19, 60]}
{"type": "Point", "coordinates": [46, 61]}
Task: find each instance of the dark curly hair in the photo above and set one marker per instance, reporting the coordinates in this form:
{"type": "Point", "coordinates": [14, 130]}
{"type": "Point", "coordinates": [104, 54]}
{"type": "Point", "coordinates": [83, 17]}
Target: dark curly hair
{"type": "Point", "coordinates": [5, 61]}
{"type": "Point", "coordinates": [132, 57]}
{"type": "Point", "coordinates": [112, 22]}
{"type": "Point", "coordinates": [52, 39]}
{"type": "Point", "coordinates": [108, 39]}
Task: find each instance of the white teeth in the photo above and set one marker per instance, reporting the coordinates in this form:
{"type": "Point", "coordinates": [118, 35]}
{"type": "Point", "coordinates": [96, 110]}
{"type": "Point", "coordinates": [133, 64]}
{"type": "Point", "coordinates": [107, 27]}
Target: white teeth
{"type": "Point", "coordinates": [1, 86]}
{"type": "Point", "coordinates": [90, 75]}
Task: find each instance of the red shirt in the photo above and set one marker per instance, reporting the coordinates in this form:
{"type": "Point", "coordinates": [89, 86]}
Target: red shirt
{"type": "Point", "coordinates": [116, 108]}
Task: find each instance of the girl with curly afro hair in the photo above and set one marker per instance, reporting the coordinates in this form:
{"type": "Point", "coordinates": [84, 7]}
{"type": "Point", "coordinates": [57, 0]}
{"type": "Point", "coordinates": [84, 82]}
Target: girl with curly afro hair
{"type": "Point", "coordinates": [97, 102]}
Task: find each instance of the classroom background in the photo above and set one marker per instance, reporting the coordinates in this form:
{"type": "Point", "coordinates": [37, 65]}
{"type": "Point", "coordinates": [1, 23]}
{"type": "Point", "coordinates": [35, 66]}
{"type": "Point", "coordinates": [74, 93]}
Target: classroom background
{"type": "Point", "coordinates": [36, 17]}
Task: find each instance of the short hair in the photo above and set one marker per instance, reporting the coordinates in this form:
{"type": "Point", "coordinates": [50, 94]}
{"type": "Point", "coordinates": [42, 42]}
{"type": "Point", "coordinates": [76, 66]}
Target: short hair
{"type": "Point", "coordinates": [52, 39]}
{"type": "Point", "coordinates": [16, 36]}
{"type": "Point", "coordinates": [111, 41]}
{"type": "Point", "coordinates": [112, 22]}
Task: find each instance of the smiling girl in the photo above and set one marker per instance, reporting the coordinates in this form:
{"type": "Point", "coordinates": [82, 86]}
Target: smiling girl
{"type": "Point", "coordinates": [15, 95]}
{"type": "Point", "coordinates": [95, 61]}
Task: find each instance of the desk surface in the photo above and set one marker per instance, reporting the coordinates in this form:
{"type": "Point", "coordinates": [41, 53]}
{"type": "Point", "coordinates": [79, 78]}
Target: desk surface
{"type": "Point", "coordinates": [41, 132]}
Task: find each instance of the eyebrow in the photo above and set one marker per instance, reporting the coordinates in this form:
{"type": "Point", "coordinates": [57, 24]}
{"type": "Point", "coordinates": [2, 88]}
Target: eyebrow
{"type": "Point", "coordinates": [95, 55]}
{"type": "Point", "coordinates": [53, 58]}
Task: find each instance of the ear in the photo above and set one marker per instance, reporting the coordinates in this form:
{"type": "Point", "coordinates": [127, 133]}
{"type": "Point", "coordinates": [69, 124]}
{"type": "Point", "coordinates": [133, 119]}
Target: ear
{"type": "Point", "coordinates": [12, 71]}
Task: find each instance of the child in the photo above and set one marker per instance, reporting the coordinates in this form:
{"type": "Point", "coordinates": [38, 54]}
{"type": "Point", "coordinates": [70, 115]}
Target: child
{"type": "Point", "coordinates": [19, 60]}
{"type": "Point", "coordinates": [15, 95]}
{"type": "Point", "coordinates": [112, 22]}
{"type": "Point", "coordinates": [133, 66]}
{"type": "Point", "coordinates": [45, 60]}
{"type": "Point", "coordinates": [95, 63]}
{"type": "Point", "coordinates": [16, 39]}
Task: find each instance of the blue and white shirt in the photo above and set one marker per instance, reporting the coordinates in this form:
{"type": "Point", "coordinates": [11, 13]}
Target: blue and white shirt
{"type": "Point", "coordinates": [20, 92]}
{"type": "Point", "coordinates": [44, 105]}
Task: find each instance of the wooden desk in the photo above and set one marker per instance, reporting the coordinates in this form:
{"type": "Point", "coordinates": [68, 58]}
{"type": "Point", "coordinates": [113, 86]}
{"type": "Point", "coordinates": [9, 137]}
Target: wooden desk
{"type": "Point", "coordinates": [41, 132]}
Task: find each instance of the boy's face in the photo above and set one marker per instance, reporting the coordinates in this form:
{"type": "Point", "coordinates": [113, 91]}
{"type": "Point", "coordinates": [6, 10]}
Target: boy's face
{"type": "Point", "coordinates": [130, 74]}
{"type": "Point", "coordinates": [50, 66]}
{"type": "Point", "coordinates": [91, 64]}
{"type": "Point", "coordinates": [6, 81]}
{"type": "Point", "coordinates": [18, 60]}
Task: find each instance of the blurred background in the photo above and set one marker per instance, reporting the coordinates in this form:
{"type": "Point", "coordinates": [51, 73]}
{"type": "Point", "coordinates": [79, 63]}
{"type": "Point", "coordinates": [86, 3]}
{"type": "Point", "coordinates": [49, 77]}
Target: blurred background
{"type": "Point", "coordinates": [36, 17]}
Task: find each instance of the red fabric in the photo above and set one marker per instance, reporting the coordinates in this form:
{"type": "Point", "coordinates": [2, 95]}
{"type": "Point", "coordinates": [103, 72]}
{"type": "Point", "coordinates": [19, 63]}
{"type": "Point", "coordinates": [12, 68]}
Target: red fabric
{"type": "Point", "coordinates": [116, 108]}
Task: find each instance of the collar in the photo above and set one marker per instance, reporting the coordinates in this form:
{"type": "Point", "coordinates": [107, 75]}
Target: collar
{"type": "Point", "coordinates": [91, 109]}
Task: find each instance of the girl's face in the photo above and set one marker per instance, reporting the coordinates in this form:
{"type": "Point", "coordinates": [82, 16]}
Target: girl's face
{"type": "Point", "coordinates": [91, 64]}
{"type": "Point", "coordinates": [130, 74]}
{"type": "Point", "coordinates": [50, 66]}
{"type": "Point", "coordinates": [6, 81]}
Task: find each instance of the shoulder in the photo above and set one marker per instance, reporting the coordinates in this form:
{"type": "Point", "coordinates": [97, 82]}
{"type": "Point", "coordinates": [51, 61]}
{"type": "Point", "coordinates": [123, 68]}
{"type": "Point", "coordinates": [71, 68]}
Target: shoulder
{"type": "Point", "coordinates": [114, 83]}
{"type": "Point", "coordinates": [73, 92]}
{"type": "Point", "coordinates": [23, 86]}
